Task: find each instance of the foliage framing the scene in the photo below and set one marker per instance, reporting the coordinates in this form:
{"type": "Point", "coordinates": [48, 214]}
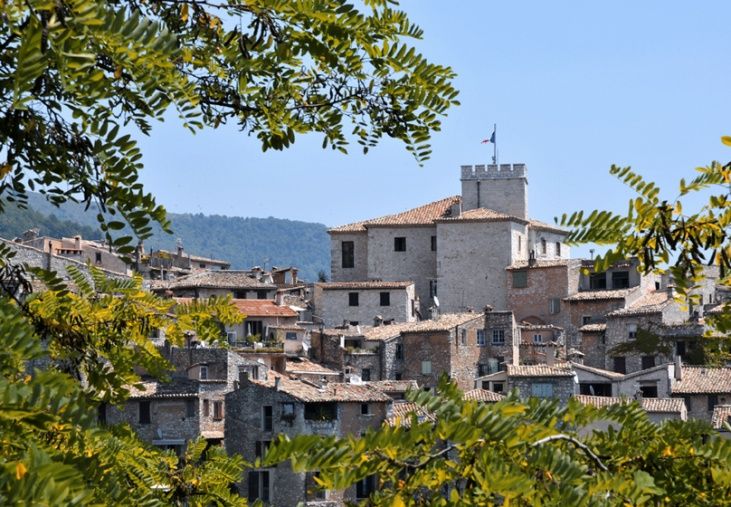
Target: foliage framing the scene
{"type": "Point", "coordinates": [78, 78]}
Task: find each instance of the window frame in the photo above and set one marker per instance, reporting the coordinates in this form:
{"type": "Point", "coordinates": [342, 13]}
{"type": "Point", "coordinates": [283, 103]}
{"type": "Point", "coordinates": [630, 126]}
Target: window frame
{"type": "Point", "coordinates": [347, 254]}
{"type": "Point", "coordinates": [481, 341]}
{"type": "Point", "coordinates": [399, 244]}
{"type": "Point", "coordinates": [426, 368]}
{"type": "Point", "coordinates": [353, 299]}
{"type": "Point", "coordinates": [384, 298]}
{"type": "Point", "coordinates": [498, 337]}
{"type": "Point", "coordinates": [520, 279]}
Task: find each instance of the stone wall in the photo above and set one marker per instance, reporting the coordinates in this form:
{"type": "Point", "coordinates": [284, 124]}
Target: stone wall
{"type": "Point", "coordinates": [333, 305]}
{"type": "Point", "coordinates": [471, 261]}
{"type": "Point", "coordinates": [563, 387]}
{"type": "Point", "coordinates": [503, 188]}
{"type": "Point", "coordinates": [359, 271]}
{"type": "Point", "coordinates": [417, 263]}
{"type": "Point", "coordinates": [169, 419]}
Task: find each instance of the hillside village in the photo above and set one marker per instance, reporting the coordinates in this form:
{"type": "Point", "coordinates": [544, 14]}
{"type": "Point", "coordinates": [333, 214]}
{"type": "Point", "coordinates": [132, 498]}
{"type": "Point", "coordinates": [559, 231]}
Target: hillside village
{"type": "Point", "coordinates": [469, 286]}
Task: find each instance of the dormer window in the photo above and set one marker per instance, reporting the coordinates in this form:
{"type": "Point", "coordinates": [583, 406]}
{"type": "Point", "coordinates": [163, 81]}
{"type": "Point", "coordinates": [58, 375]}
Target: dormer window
{"type": "Point", "coordinates": [203, 373]}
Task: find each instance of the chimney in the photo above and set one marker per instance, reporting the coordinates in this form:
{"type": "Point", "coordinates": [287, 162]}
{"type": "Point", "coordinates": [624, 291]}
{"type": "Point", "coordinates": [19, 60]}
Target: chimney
{"type": "Point", "coordinates": [678, 369]}
{"type": "Point", "coordinates": [279, 298]}
{"type": "Point", "coordinates": [377, 320]}
{"type": "Point", "coordinates": [276, 383]}
{"type": "Point", "coordinates": [532, 258]}
{"type": "Point", "coordinates": [77, 242]}
{"type": "Point", "coordinates": [433, 312]}
{"type": "Point", "coordinates": [550, 355]}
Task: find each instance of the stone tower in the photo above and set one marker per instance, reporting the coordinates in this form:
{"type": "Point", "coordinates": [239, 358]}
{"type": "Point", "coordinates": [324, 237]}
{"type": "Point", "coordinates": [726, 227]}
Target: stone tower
{"type": "Point", "coordinates": [502, 188]}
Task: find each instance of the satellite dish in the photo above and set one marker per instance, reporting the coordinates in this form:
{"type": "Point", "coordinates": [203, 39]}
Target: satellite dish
{"type": "Point", "coordinates": [436, 301]}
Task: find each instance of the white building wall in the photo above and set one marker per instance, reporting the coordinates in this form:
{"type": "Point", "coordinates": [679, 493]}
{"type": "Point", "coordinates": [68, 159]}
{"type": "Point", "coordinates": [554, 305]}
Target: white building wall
{"type": "Point", "coordinates": [417, 263]}
{"type": "Point", "coordinates": [536, 244]}
{"type": "Point", "coordinates": [471, 262]}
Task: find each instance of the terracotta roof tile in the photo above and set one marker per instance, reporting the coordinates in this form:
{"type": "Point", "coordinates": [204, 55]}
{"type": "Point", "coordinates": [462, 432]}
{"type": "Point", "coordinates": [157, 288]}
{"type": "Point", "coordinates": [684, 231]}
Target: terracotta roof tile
{"type": "Point", "coordinates": [652, 302]}
{"type": "Point", "coordinates": [598, 371]}
{"type": "Point", "coordinates": [401, 414]}
{"type": "Point", "coordinates": [445, 322]}
{"type": "Point", "coordinates": [423, 215]}
{"type": "Point", "coordinates": [179, 387]}
{"type": "Point", "coordinates": [541, 370]}
{"type": "Point", "coordinates": [330, 391]}
{"type": "Point", "coordinates": [654, 405]}
{"type": "Point", "coordinates": [536, 224]}
{"type": "Point", "coordinates": [541, 263]}
{"type": "Point", "coordinates": [304, 365]}
{"type": "Point", "coordinates": [219, 280]}
{"type": "Point", "coordinates": [483, 395]}
{"type": "Point", "coordinates": [481, 215]}
{"type": "Point", "coordinates": [393, 386]}
{"type": "Point", "coordinates": [598, 295]}
{"type": "Point", "coordinates": [721, 414]}
{"type": "Point", "coordinates": [701, 380]}
{"type": "Point", "coordinates": [262, 308]}
{"type": "Point", "coordinates": [593, 328]}
{"type": "Point", "coordinates": [366, 284]}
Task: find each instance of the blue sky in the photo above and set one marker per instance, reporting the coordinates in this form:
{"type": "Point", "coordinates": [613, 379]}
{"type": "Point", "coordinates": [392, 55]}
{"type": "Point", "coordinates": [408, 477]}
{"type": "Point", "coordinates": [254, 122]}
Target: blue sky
{"type": "Point", "coordinates": [573, 87]}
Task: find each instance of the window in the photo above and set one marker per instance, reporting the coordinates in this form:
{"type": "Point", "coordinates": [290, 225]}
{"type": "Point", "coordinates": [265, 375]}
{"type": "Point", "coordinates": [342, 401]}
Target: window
{"type": "Point", "coordinates": [144, 407]}
{"type": "Point", "coordinates": [259, 486]}
{"type": "Point", "coordinates": [206, 408]}
{"type": "Point", "coordinates": [595, 389]}
{"type": "Point", "coordinates": [620, 365]}
{"type": "Point", "coordinates": [541, 390]}
{"type": "Point", "coordinates": [397, 376]}
{"type": "Point", "coordinates": [463, 336]}
{"type": "Point", "coordinates": [497, 387]}
{"type": "Point", "coordinates": [385, 298]}
{"type": "Point", "coordinates": [586, 319]}
{"type": "Point", "coordinates": [680, 348]}
{"type": "Point", "coordinates": [426, 367]}
{"type": "Point", "coordinates": [493, 365]}
{"type": "Point", "coordinates": [365, 374]}
{"type": "Point", "coordinates": [348, 254]}
{"type": "Point", "coordinates": [620, 280]}
{"type": "Point", "coordinates": [433, 243]}
{"type": "Point", "coordinates": [352, 299]}
{"type": "Point", "coordinates": [483, 369]}
{"type": "Point", "coordinates": [365, 409]}
{"type": "Point", "coordinates": [537, 338]}
{"type": "Point", "coordinates": [254, 327]}
{"type": "Point", "coordinates": [554, 306]}
{"type": "Point", "coordinates": [558, 249]}
{"type": "Point", "coordinates": [288, 410]}
{"type": "Point", "coordinates": [631, 331]}
{"type": "Point", "coordinates": [520, 279]}
{"type": "Point", "coordinates": [399, 351]}
{"type": "Point", "coordinates": [520, 243]}
{"type": "Point", "coordinates": [712, 401]}
{"type": "Point", "coordinates": [203, 373]}
{"type": "Point", "coordinates": [498, 337]}
{"type": "Point", "coordinates": [481, 337]}
{"type": "Point", "coordinates": [189, 408]}
{"type": "Point", "coordinates": [261, 447]}
{"type": "Point", "coordinates": [364, 487]}
{"type": "Point", "coordinates": [353, 323]}
{"type": "Point", "coordinates": [291, 336]}
{"type": "Point", "coordinates": [231, 337]}
{"type": "Point", "coordinates": [266, 418]}
{"type": "Point", "coordinates": [218, 410]}
{"type": "Point", "coordinates": [544, 249]}
{"type": "Point", "coordinates": [598, 281]}
{"type": "Point", "coordinates": [261, 294]}
{"type": "Point", "coordinates": [649, 391]}
{"type": "Point", "coordinates": [399, 244]}
{"type": "Point", "coordinates": [648, 362]}
{"type": "Point", "coordinates": [98, 257]}
{"type": "Point", "coordinates": [323, 411]}
{"type": "Point", "coordinates": [432, 288]}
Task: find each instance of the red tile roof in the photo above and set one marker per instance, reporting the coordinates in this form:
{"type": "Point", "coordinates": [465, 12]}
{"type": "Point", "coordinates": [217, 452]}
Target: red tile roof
{"type": "Point", "coordinates": [541, 370]}
{"type": "Point", "coordinates": [308, 392]}
{"type": "Point", "coordinates": [481, 215]}
{"type": "Point", "coordinates": [483, 395]}
{"type": "Point", "coordinates": [599, 295]}
{"type": "Point", "coordinates": [652, 302]}
{"type": "Point", "coordinates": [664, 405]}
{"type": "Point", "coordinates": [423, 215]}
{"type": "Point", "coordinates": [721, 414]}
{"type": "Point", "coordinates": [262, 308]}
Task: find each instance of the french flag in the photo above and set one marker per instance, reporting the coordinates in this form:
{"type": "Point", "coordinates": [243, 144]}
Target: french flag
{"type": "Point", "coordinates": [491, 140]}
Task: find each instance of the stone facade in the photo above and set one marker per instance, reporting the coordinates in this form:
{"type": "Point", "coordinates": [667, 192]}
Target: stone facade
{"type": "Point", "coordinates": [260, 410]}
{"type": "Point", "coordinates": [386, 301]}
{"type": "Point", "coordinates": [502, 341]}
{"type": "Point", "coordinates": [502, 188]}
{"type": "Point", "coordinates": [359, 269]}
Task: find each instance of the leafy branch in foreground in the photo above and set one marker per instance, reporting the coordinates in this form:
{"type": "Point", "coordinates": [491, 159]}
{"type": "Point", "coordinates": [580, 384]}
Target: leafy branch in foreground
{"type": "Point", "coordinates": [513, 453]}
{"type": "Point", "coordinates": [79, 78]}
{"type": "Point", "coordinates": [664, 234]}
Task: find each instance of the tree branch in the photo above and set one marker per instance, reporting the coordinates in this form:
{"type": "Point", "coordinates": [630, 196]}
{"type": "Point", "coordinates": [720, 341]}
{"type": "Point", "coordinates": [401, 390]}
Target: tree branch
{"type": "Point", "coordinates": [577, 443]}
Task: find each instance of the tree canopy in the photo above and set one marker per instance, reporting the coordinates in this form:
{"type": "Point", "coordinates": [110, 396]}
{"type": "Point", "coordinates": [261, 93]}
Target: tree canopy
{"type": "Point", "coordinates": [82, 78]}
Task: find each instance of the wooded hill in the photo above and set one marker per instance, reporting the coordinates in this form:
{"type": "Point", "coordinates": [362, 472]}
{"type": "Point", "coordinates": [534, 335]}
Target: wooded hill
{"type": "Point", "coordinates": [245, 242]}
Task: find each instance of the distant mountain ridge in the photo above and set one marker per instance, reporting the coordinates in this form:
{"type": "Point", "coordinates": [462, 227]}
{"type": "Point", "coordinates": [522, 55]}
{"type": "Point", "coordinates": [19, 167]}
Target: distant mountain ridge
{"type": "Point", "coordinates": [245, 242]}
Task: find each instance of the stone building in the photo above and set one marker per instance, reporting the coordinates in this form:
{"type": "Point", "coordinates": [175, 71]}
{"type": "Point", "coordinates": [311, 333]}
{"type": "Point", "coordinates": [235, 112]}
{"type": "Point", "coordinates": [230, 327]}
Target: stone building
{"type": "Point", "coordinates": [365, 302]}
{"type": "Point", "coordinates": [455, 249]}
{"type": "Point", "coordinates": [203, 284]}
{"type": "Point", "coordinates": [167, 265]}
{"type": "Point", "coordinates": [658, 409]}
{"type": "Point", "coordinates": [263, 319]}
{"type": "Point", "coordinates": [259, 410]}
{"type": "Point", "coordinates": [702, 388]}
{"type": "Point", "coordinates": [501, 342]}
{"type": "Point", "coordinates": [554, 381]}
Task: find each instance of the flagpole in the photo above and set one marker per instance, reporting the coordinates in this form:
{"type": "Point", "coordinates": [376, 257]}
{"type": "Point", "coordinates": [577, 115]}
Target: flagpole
{"type": "Point", "coordinates": [494, 145]}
